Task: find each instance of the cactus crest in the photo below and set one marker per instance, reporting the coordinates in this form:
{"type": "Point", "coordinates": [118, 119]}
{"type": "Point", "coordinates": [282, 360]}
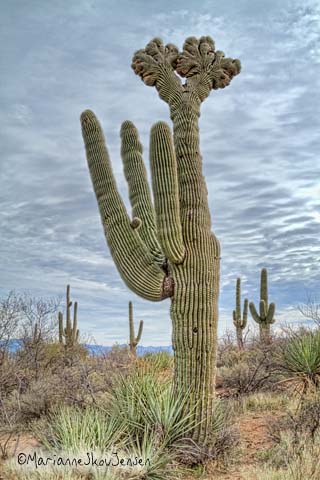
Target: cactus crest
{"type": "Point", "coordinates": [240, 322]}
{"type": "Point", "coordinates": [265, 318]}
{"type": "Point", "coordinates": [69, 334]}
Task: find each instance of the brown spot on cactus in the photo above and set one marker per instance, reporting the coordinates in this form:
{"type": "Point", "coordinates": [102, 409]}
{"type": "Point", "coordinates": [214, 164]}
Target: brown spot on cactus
{"type": "Point", "coordinates": [174, 253]}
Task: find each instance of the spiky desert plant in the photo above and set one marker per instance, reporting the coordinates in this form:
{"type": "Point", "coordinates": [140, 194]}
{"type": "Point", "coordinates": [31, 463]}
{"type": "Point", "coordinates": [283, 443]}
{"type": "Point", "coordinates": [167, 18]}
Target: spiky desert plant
{"type": "Point", "coordinates": [69, 334]}
{"type": "Point", "coordinates": [134, 340]}
{"type": "Point", "coordinates": [300, 361]}
{"type": "Point", "coordinates": [168, 250]}
{"type": "Point", "coordinates": [240, 322]}
{"type": "Point", "coordinates": [265, 318]}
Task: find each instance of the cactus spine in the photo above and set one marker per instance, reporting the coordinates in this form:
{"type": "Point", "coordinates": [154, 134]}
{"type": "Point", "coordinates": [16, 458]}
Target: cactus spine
{"type": "Point", "coordinates": [134, 340]}
{"type": "Point", "coordinates": [240, 322]}
{"type": "Point", "coordinates": [69, 335]}
{"type": "Point", "coordinates": [265, 318]}
{"type": "Point", "coordinates": [168, 250]}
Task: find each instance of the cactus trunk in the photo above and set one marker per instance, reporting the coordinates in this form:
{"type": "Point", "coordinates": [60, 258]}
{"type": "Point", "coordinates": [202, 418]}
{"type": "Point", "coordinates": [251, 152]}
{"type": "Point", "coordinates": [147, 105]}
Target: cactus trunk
{"type": "Point", "coordinates": [265, 332]}
{"type": "Point", "coordinates": [169, 250]}
{"type": "Point", "coordinates": [194, 310]}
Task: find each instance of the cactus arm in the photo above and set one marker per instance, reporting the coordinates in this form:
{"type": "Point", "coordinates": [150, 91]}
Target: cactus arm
{"type": "Point", "coordinates": [238, 298]}
{"type": "Point", "coordinates": [166, 192]}
{"type": "Point", "coordinates": [139, 332]}
{"type": "Point", "coordinates": [75, 322]}
{"type": "Point", "coordinates": [155, 65]}
{"type": "Point", "coordinates": [254, 312]}
{"type": "Point", "coordinates": [68, 306]}
{"type": "Point", "coordinates": [245, 314]}
{"type": "Point", "coordinates": [270, 315]}
{"type": "Point", "coordinates": [205, 68]}
{"type": "Point", "coordinates": [132, 258]}
{"type": "Point", "coordinates": [139, 192]}
{"type": "Point", "coordinates": [234, 316]}
{"type": "Point", "coordinates": [264, 286]}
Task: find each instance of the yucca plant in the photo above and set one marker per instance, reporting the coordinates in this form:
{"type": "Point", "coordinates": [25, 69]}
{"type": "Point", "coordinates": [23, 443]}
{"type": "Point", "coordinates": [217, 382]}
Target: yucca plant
{"type": "Point", "coordinates": [300, 361]}
{"type": "Point", "coordinates": [73, 429]}
{"type": "Point", "coordinates": [159, 364]}
{"type": "Point", "coordinates": [147, 404]}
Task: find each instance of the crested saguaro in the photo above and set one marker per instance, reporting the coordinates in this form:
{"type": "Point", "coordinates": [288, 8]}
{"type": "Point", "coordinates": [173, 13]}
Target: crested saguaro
{"type": "Point", "coordinates": [167, 250]}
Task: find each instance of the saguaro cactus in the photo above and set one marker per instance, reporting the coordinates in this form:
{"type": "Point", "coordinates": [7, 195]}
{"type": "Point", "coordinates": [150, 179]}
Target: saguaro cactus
{"type": "Point", "coordinates": [169, 250]}
{"type": "Point", "coordinates": [266, 317]}
{"type": "Point", "coordinates": [134, 340]}
{"type": "Point", "coordinates": [69, 335]}
{"type": "Point", "coordinates": [240, 322]}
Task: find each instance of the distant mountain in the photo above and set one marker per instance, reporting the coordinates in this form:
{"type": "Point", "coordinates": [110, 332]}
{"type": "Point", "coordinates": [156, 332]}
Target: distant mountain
{"type": "Point", "coordinates": [15, 344]}
{"type": "Point", "coordinates": [101, 349]}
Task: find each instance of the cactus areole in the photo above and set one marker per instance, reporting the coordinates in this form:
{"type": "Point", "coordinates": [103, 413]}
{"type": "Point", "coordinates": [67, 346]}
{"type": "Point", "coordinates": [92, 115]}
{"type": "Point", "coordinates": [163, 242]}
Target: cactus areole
{"type": "Point", "coordinates": [167, 248]}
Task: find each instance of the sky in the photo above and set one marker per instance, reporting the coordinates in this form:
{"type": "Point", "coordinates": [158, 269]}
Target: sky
{"type": "Point", "coordinates": [259, 141]}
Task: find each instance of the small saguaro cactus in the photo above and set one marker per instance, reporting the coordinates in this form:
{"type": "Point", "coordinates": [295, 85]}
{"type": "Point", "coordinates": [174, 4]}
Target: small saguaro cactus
{"type": "Point", "coordinates": [34, 337]}
{"type": "Point", "coordinates": [134, 340]}
{"type": "Point", "coordinates": [69, 335]}
{"type": "Point", "coordinates": [167, 249]}
{"type": "Point", "coordinates": [36, 334]}
{"type": "Point", "coordinates": [240, 322]}
{"type": "Point", "coordinates": [266, 317]}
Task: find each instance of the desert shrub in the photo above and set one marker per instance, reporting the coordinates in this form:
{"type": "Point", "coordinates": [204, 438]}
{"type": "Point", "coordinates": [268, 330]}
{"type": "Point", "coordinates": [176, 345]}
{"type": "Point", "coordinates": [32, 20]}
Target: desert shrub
{"type": "Point", "coordinates": [304, 421]}
{"type": "Point", "coordinates": [42, 395]}
{"type": "Point", "coordinates": [249, 371]}
{"type": "Point", "coordinates": [296, 451]}
{"type": "Point", "coordinates": [294, 460]}
{"type": "Point", "coordinates": [221, 444]}
{"type": "Point", "coordinates": [229, 355]}
{"type": "Point", "coordinates": [263, 402]}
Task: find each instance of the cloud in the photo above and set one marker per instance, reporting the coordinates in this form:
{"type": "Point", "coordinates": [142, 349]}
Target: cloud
{"type": "Point", "coordinates": [259, 141]}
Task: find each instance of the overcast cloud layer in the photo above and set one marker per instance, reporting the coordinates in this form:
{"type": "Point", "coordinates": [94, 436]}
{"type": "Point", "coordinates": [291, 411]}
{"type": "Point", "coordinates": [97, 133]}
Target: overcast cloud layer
{"type": "Point", "coordinates": [259, 140]}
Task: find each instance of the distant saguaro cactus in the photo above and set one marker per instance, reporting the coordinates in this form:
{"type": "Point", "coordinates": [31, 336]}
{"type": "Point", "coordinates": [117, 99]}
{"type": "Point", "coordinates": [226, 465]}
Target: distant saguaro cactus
{"type": "Point", "coordinates": [134, 340]}
{"type": "Point", "coordinates": [266, 317]}
{"type": "Point", "coordinates": [240, 322]}
{"type": "Point", "coordinates": [36, 333]}
{"type": "Point", "coordinates": [69, 335]}
{"type": "Point", "coordinates": [168, 250]}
